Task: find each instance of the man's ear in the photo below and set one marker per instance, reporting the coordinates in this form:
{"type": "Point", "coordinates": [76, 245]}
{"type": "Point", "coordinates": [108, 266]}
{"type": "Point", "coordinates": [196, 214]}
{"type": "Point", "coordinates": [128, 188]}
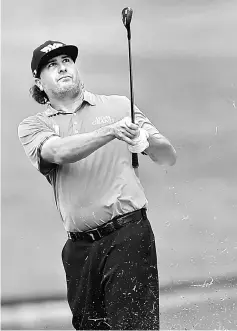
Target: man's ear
{"type": "Point", "coordinates": [39, 84]}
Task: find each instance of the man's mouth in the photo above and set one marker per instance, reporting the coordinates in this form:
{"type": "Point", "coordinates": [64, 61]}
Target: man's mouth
{"type": "Point", "coordinates": [64, 77]}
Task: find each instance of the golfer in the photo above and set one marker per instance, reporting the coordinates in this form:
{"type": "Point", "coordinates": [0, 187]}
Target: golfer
{"type": "Point", "coordinates": [83, 143]}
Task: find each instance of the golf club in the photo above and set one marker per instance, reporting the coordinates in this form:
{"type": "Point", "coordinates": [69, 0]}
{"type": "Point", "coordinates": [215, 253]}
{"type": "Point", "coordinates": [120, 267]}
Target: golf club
{"type": "Point", "coordinates": [127, 17]}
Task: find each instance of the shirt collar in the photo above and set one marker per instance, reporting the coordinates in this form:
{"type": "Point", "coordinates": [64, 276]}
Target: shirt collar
{"type": "Point", "coordinates": [90, 98]}
{"type": "Point", "coordinates": [87, 96]}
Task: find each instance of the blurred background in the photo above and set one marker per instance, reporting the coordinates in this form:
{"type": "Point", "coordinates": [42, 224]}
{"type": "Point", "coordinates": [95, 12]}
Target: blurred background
{"type": "Point", "coordinates": [185, 80]}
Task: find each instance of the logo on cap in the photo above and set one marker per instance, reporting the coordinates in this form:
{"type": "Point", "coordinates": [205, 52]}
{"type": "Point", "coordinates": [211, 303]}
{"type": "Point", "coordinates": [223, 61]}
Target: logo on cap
{"type": "Point", "coordinates": [49, 48]}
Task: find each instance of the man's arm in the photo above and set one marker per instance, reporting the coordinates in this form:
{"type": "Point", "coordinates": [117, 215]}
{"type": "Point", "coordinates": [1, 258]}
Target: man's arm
{"type": "Point", "coordinates": [160, 150]}
{"type": "Point", "coordinates": [74, 148]}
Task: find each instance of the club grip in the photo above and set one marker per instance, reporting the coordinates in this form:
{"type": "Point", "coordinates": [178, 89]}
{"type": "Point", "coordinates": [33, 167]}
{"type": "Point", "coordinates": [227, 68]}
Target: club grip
{"type": "Point", "coordinates": [135, 163]}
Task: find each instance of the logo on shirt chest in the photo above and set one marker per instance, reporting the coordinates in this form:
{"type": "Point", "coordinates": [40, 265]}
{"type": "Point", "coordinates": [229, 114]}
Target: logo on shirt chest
{"type": "Point", "coordinates": [103, 120]}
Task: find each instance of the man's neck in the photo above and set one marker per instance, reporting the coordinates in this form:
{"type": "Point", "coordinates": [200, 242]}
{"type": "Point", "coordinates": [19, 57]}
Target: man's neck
{"type": "Point", "coordinates": [68, 105]}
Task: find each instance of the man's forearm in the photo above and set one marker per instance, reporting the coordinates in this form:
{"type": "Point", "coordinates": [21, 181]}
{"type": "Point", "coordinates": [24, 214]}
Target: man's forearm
{"type": "Point", "coordinates": [74, 148]}
{"type": "Point", "coordinates": [160, 150]}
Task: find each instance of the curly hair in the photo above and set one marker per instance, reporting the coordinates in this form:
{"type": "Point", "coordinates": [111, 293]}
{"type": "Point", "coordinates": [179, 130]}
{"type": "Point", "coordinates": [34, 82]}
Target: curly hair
{"type": "Point", "coordinates": [38, 95]}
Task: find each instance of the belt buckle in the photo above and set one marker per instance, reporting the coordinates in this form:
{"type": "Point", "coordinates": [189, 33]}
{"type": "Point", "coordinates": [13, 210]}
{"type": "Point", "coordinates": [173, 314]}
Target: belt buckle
{"type": "Point", "coordinates": [93, 236]}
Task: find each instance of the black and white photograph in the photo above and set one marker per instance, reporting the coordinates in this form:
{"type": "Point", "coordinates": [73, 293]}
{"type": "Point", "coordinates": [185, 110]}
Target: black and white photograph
{"type": "Point", "coordinates": [119, 165]}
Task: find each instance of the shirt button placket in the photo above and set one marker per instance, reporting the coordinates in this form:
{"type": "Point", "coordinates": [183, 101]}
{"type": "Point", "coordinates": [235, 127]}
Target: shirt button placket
{"type": "Point", "coordinates": [74, 124]}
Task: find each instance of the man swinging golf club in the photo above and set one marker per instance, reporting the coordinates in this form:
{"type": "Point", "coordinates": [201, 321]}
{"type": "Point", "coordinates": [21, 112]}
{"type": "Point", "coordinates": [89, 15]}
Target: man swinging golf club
{"type": "Point", "coordinates": [82, 143]}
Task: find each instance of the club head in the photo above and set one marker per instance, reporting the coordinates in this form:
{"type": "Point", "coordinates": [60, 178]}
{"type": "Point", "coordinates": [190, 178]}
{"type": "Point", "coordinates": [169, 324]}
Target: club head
{"type": "Point", "coordinates": [127, 16]}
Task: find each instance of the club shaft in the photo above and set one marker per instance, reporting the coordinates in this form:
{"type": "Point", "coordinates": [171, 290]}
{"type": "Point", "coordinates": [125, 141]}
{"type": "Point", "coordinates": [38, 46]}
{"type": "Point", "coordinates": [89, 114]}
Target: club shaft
{"type": "Point", "coordinates": [135, 163]}
{"type": "Point", "coordinates": [131, 81]}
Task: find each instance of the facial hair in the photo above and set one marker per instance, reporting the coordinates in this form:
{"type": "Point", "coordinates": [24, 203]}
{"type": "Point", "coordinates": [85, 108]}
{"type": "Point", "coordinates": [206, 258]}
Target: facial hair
{"type": "Point", "coordinates": [68, 91]}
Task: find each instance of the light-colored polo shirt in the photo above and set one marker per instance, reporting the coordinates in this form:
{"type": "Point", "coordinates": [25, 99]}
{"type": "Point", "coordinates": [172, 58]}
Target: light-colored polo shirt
{"type": "Point", "coordinates": [91, 191]}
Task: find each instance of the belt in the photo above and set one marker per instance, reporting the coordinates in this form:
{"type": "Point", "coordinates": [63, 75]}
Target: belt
{"type": "Point", "coordinates": [111, 226]}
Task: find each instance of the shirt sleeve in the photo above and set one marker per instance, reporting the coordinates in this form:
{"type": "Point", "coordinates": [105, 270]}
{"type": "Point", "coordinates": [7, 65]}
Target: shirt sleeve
{"type": "Point", "coordinates": [33, 132]}
{"type": "Point", "coordinates": [144, 122]}
{"type": "Point", "coordinates": [141, 119]}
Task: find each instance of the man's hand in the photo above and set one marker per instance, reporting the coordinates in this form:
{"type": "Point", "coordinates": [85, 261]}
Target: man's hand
{"type": "Point", "coordinates": [141, 142]}
{"type": "Point", "coordinates": [126, 130]}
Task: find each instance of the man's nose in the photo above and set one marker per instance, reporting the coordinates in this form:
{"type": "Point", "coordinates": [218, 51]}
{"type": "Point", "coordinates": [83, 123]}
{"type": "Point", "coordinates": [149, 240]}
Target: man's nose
{"type": "Point", "coordinates": [62, 68]}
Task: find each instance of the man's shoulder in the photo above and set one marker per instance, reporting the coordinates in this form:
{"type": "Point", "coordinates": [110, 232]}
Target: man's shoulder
{"type": "Point", "coordinates": [36, 118]}
{"type": "Point", "coordinates": [104, 98]}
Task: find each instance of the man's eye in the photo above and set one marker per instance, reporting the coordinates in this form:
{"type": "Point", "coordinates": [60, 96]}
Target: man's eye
{"type": "Point", "coordinates": [50, 65]}
{"type": "Point", "coordinates": [66, 60]}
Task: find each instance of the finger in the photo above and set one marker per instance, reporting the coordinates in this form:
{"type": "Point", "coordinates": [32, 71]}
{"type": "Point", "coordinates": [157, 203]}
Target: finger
{"type": "Point", "coordinates": [126, 137]}
{"type": "Point", "coordinates": [132, 130]}
{"type": "Point", "coordinates": [128, 141]}
{"type": "Point", "coordinates": [132, 126]}
{"type": "Point", "coordinates": [127, 121]}
{"type": "Point", "coordinates": [133, 133]}
{"type": "Point", "coordinates": [128, 134]}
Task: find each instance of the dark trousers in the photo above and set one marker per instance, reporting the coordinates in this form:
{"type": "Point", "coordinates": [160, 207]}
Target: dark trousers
{"type": "Point", "coordinates": [113, 282]}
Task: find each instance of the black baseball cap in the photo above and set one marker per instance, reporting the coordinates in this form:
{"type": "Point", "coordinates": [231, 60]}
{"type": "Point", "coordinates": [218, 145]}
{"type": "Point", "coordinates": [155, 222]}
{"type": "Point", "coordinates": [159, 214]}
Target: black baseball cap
{"type": "Point", "coordinates": [47, 51]}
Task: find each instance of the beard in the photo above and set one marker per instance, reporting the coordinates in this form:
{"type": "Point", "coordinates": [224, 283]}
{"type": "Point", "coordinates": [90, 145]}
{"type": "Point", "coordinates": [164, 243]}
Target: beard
{"type": "Point", "coordinates": [72, 91]}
